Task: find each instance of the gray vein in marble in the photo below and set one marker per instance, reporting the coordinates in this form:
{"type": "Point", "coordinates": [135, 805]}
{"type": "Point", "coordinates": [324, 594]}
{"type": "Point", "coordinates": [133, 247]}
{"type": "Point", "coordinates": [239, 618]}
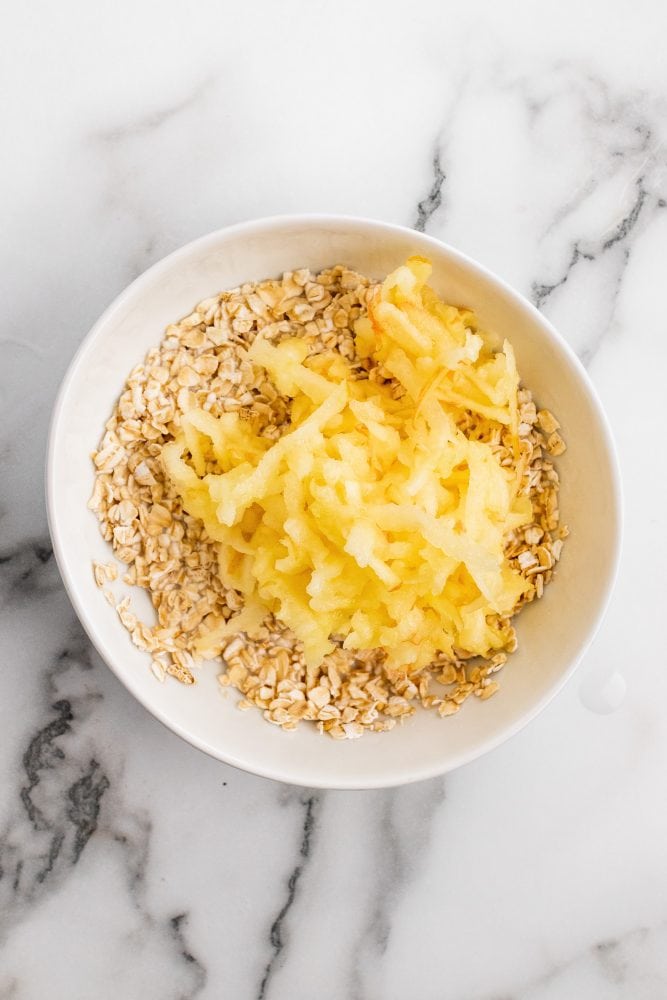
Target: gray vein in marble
{"type": "Point", "coordinates": [27, 569]}
{"type": "Point", "coordinates": [540, 293]}
{"type": "Point", "coordinates": [311, 806]}
{"type": "Point", "coordinates": [621, 238]}
{"type": "Point", "coordinates": [115, 148]}
{"type": "Point", "coordinates": [177, 925]}
{"type": "Point", "coordinates": [628, 222]}
{"type": "Point", "coordinates": [432, 202]}
{"type": "Point", "coordinates": [607, 953]}
{"type": "Point", "coordinates": [624, 131]}
{"type": "Point", "coordinates": [400, 849]}
{"type": "Point", "coordinates": [587, 354]}
{"type": "Point", "coordinates": [131, 831]}
{"type": "Point", "coordinates": [610, 961]}
{"type": "Point", "coordinates": [85, 797]}
{"type": "Point", "coordinates": [43, 752]}
{"type": "Point", "coordinates": [23, 345]}
{"type": "Point", "coordinates": [9, 990]}
{"type": "Point", "coordinates": [60, 794]}
{"type": "Point", "coordinates": [143, 126]}
{"type": "Point", "coordinates": [62, 786]}
{"type": "Point", "coordinates": [623, 229]}
{"type": "Point", "coordinates": [577, 199]}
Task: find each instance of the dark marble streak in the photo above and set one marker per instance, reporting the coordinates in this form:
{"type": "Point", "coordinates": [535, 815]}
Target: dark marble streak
{"type": "Point", "coordinates": [131, 830]}
{"type": "Point", "coordinates": [311, 806]}
{"type": "Point", "coordinates": [68, 791]}
{"type": "Point", "coordinates": [177, 925]}
{"type": "Point", "coordinates": [404, 824]}
{"type": "Point", "coordinates": [627, 224]}
{"type": "Point", "coordinates": [624, 134]}
{"type": "Point", "coordinates": [59, 788]}
{"type": "Point", "coordinates": [433, 200]}
{"type": "Point", "coordinates": [637, 143]}
{"type": "Point", "coordinates": [85, 797]}
{"type": "Point", "coordinates": [42, 753]}
{"type": "Point", "coordinates": [26, 570]}
{"type": "Point", "coordinates": [587, 250]}
{"type": "Point", "coordinates": [541, 292]}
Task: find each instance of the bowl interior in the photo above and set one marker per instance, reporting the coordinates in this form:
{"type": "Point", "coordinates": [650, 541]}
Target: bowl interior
{"type": "Point", "coordinates": [553, 633]}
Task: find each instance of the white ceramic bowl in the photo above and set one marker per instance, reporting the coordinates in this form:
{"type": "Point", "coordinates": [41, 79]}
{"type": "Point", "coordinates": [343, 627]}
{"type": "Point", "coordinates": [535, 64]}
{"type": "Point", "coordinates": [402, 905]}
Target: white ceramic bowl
{"type": "Point", "coordinates": [553, 633]}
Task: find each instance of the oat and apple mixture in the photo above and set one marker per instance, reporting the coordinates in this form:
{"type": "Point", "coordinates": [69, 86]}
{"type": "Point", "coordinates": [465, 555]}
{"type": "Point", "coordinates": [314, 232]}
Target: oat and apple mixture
{"type": "Point", "coordinates": [203, 364]}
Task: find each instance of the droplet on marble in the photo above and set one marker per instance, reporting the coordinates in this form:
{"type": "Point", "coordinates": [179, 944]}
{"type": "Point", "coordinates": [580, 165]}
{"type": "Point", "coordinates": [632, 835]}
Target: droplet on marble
{"type": "Point", "coordinates": [603, 693]}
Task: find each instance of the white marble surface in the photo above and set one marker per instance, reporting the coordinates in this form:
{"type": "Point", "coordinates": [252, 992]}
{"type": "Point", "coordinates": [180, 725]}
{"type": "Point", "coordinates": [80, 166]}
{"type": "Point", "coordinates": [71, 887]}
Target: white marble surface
{"type": "Point", "coordinates": [531, 136]}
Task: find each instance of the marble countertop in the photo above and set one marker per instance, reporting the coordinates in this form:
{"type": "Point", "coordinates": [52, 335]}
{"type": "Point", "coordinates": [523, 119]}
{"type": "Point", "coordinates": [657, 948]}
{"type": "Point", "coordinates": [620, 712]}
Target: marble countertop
{"type": "Point", "coordinates": [531, 136]}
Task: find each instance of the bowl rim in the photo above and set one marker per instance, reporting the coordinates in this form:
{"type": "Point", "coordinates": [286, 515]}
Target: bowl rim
{"type": "Point", "coordinates": [314, 220]}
